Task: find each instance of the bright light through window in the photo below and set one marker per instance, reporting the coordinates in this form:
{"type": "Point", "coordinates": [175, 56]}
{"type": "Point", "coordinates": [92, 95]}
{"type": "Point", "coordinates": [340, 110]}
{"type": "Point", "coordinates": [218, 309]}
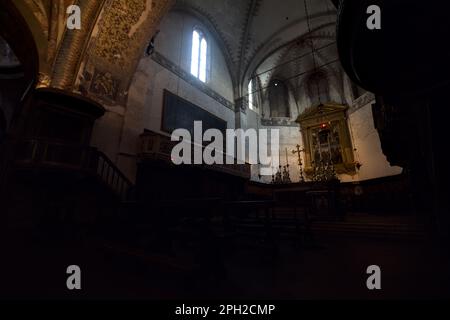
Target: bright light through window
{"type": "Point", "coordinates": [203, 50]}
{"type": "Point", "coordinates": [199, 55]}
{"type": "Point", "coordinates": [195, 53]}
{"type": "Point", "coordinates": [250, 95]}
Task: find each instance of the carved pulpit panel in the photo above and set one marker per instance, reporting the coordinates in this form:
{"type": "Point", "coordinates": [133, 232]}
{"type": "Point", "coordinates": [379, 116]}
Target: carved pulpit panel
{"type": "Point", "coordinates": [326, 138]}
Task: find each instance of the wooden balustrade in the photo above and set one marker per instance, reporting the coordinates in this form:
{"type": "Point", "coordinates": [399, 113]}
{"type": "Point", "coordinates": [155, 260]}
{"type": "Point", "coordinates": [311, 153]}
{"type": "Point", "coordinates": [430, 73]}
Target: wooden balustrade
{"type": "Point", "coordinates": [112, 176]}
{"type": "Point", "coordinates": [45, 154]}
{"type": "Point", "coordinates": [155, 146]}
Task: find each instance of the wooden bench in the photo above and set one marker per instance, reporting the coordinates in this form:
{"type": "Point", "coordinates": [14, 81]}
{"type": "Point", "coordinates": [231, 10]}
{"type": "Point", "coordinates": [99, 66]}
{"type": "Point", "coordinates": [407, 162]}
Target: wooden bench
{"type": "Point", "coordinates": [263, 221]}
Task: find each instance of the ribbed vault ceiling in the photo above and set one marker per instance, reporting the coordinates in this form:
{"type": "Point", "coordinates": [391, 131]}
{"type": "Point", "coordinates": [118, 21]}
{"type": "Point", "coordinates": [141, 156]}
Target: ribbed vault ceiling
{"type": "Point", "coordinates": [257, 35]}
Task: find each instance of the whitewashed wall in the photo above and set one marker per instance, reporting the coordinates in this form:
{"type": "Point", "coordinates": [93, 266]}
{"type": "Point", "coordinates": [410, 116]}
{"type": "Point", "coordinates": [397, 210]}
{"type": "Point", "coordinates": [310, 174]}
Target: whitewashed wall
{"type": "Point", "coordinates": [367, 143]}
{"type": "Point", "coordinates": [117, 133]}
{"type": "Point", "coordinates": [364, 136]}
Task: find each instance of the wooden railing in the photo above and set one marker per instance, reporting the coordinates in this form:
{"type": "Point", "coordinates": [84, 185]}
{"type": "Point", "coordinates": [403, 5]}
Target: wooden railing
{"type": "Point", "coordinates": [52, 155]}
{"type": "Point", "coordinates": [155, 146]}
{"type": "Point", "coordinates": [112, 176]}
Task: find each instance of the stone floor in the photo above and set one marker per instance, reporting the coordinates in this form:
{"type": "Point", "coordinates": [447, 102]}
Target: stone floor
{"type": "Point", "coordinates": [333, 267]}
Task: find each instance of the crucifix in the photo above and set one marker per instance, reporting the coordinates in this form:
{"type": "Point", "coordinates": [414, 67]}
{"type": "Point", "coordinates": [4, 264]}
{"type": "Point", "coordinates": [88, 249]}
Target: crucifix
{"type": "Point", "coordinates": [299, 151]}
{"type": "Point", "coordinates": [286, 175]}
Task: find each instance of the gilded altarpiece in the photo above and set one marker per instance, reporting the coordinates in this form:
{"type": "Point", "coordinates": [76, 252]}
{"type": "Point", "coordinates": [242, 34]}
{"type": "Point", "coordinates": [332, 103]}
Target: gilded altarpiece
{"type": "Point", "coordinates": [326, 138]}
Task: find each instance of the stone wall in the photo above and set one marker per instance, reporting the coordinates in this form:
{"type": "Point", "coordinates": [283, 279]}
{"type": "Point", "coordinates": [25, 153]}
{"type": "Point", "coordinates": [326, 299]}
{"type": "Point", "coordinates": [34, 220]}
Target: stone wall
{"type": "Point", "coordinates": [364, 136]}
{"type": "Point", "coordinates": [168, 68]}
{"type": "Point", "coordinates": [367, 143]}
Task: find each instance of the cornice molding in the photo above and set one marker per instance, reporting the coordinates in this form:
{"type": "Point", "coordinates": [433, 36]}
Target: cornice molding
{"type": "Point", "coordinates": [362, 101]}
{"type": "Point", "coordinates": [186, 76]}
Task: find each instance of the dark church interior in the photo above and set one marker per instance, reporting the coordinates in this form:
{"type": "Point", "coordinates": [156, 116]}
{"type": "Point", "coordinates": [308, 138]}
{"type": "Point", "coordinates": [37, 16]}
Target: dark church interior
{"type": "Point", "coordinates": [90, 95]}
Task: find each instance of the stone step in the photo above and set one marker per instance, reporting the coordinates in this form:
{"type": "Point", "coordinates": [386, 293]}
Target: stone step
{"type": "Point", "coordinates": [370, 229]}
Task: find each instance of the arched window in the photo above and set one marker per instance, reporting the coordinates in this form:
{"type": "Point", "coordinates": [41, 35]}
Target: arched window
{"type": "Point", "coordinates": [278, 99]}
{"type": "Point", "coordinates": [251, 101]}
{"type": "Point", "coordinates": [199, 55]}
{"type": "Point", "coordinates": [318, 89]}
